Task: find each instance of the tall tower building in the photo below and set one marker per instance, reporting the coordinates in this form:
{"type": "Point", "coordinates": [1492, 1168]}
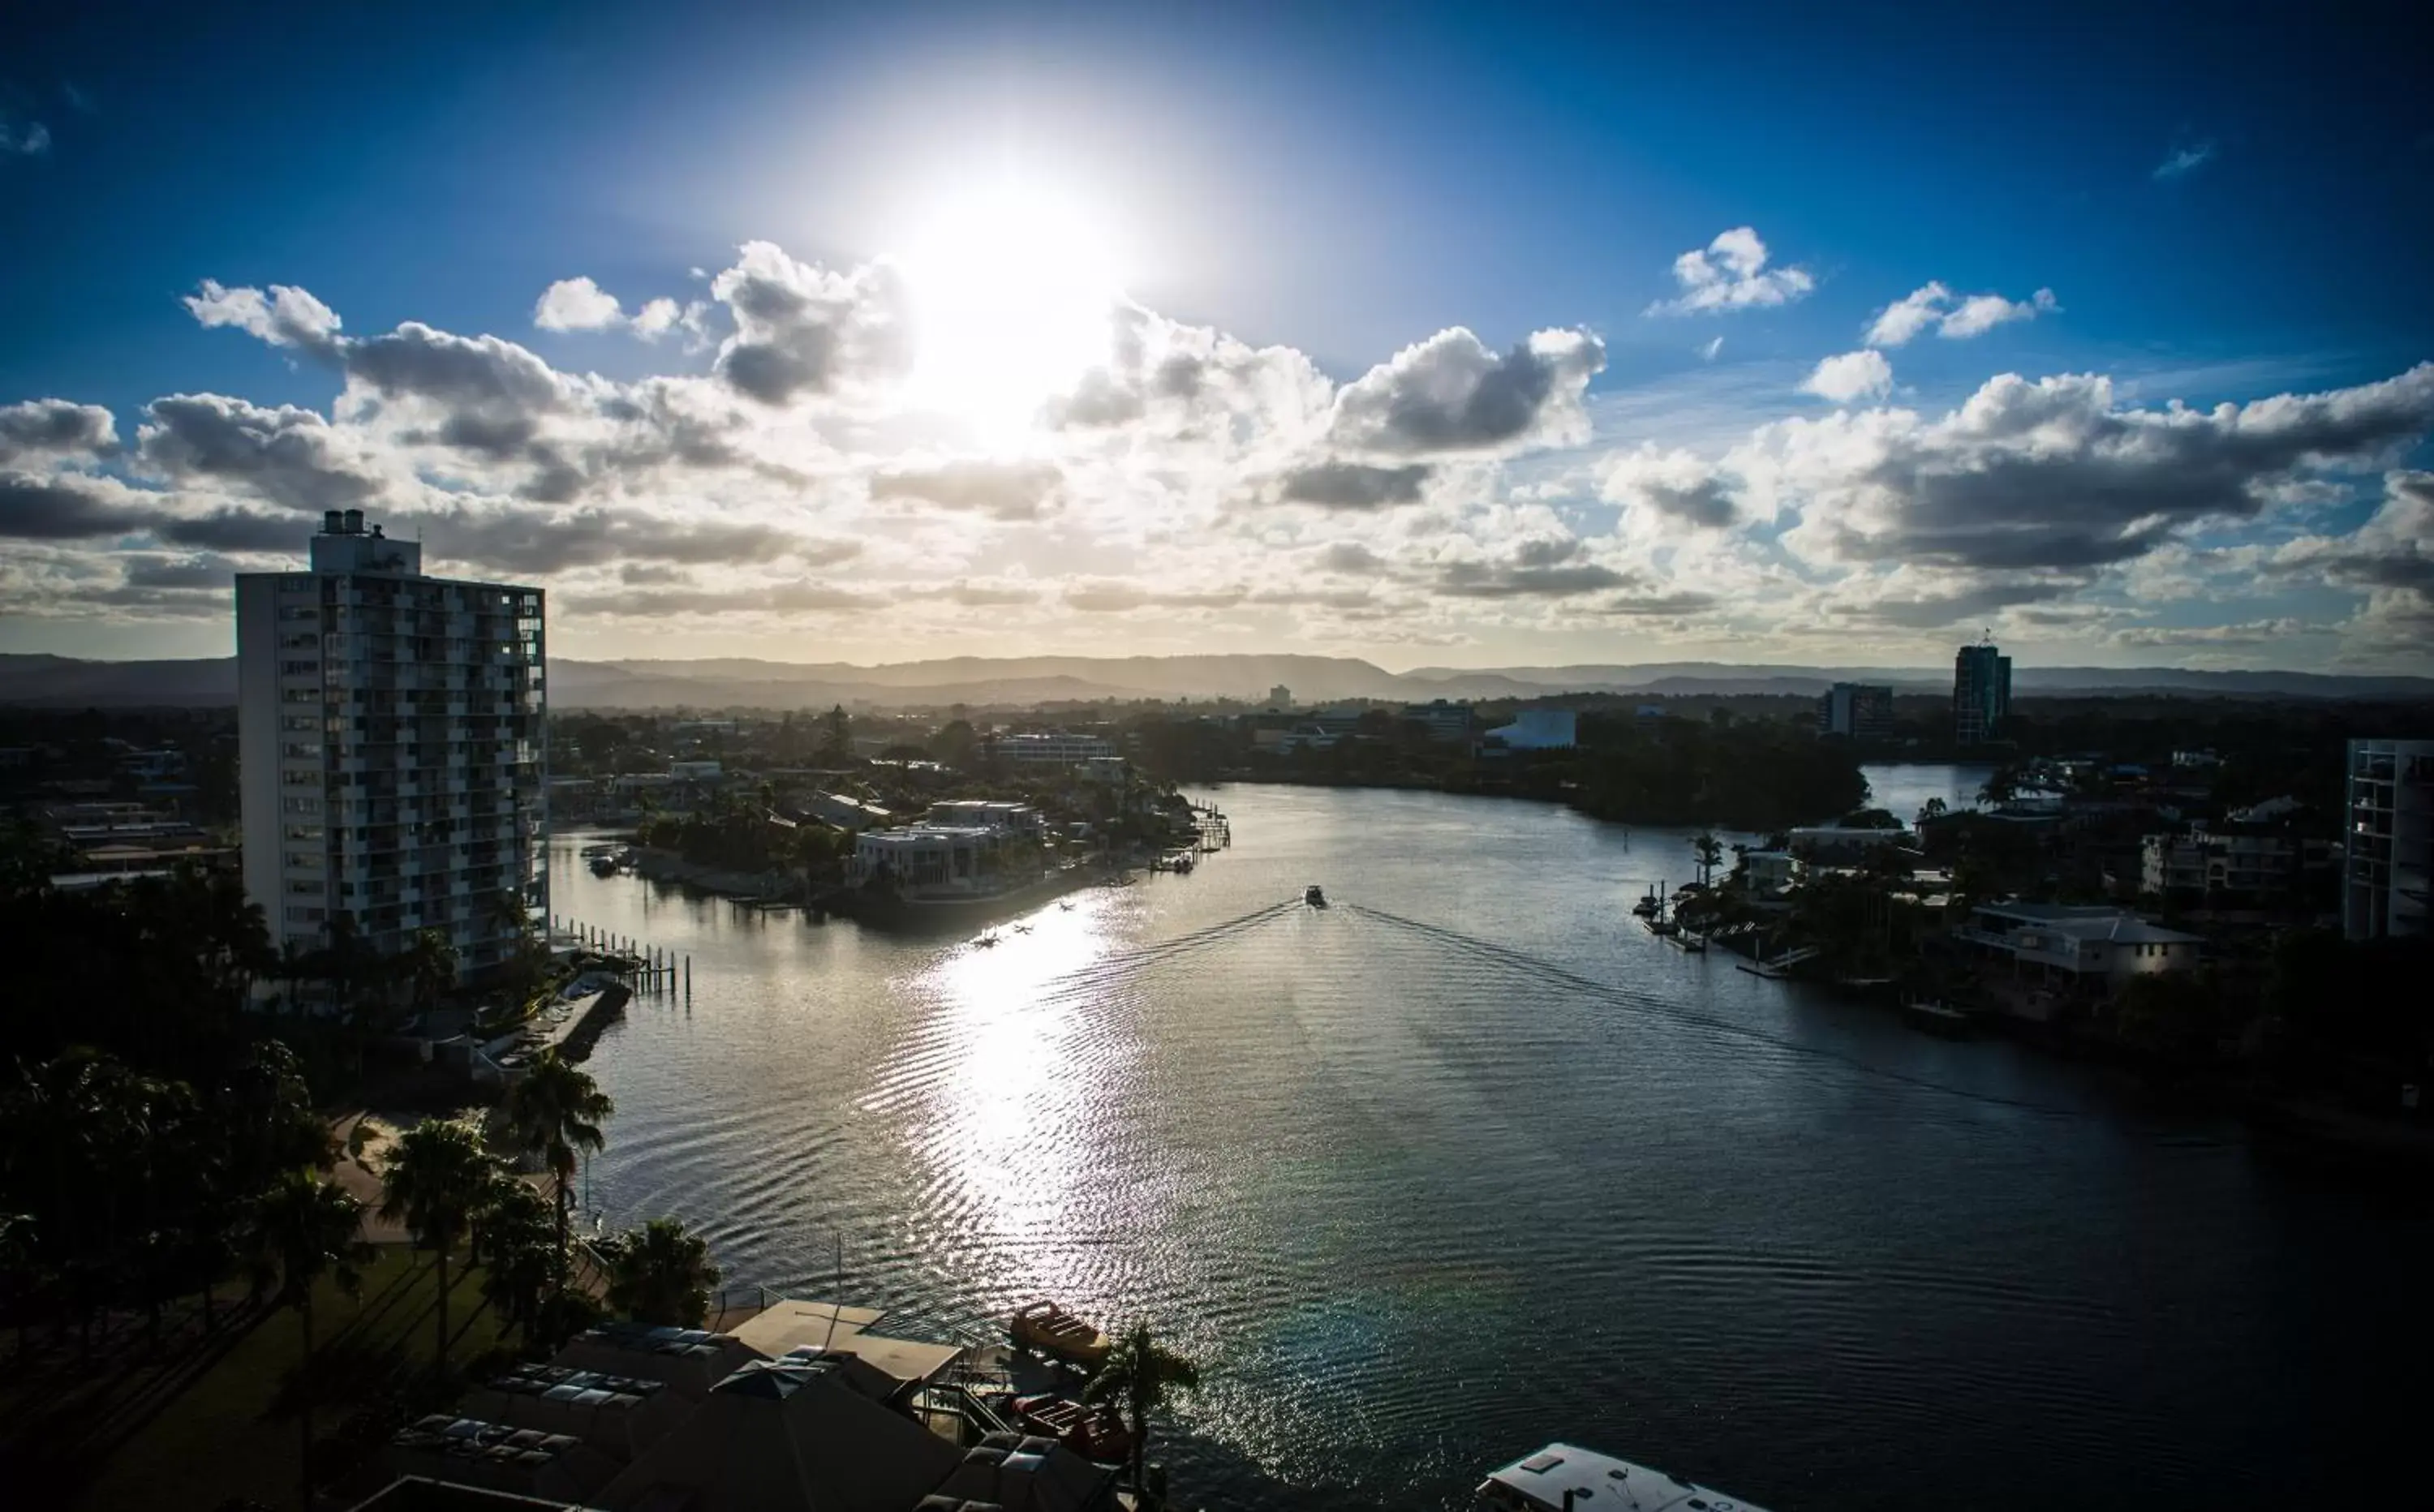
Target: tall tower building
{"type": "Point", "coordinates": [1981, 693]}
{"type": "Point", "coordinates": [2389, 839]}
{"type": "Point", "coordinates": [393, 749]}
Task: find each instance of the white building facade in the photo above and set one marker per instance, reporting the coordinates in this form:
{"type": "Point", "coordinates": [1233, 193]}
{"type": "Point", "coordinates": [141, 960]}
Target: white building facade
{"type": "Point", "coordinates": [2389, 836]}
{"type": "Point", "coordinates": [1058, 750]}
{"type": "Point", "coordinates": [393, 749]}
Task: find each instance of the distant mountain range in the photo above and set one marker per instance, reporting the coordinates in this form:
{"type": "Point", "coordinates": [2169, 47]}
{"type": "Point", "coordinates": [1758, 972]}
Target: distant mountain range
{"type": "Point", "coordinates": [735, 682]}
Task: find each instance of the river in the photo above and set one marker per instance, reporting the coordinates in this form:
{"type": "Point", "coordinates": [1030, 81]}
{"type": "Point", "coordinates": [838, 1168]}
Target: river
{"type": "Point", "coordinates": [1468, 1162]}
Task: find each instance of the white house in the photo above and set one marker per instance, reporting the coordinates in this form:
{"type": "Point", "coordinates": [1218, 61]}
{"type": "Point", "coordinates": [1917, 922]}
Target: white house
{"type": "Point", "coordinates": [2092, 949]}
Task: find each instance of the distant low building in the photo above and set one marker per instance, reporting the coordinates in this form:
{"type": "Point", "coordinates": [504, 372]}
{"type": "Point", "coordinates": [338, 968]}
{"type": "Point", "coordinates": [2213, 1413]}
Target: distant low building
{"type": "Point", "coordinates": [986, 813]}
{"type": "Point", "coordinates": [1537, 729]}
{"type": "Point", "coordinates": [847, 813]}
{"type": "Point", "coordinates": [1442, 722]}
{"type": "Point", "coordinates": [2231, 865]}
{"type": "Point", "coordinates": [1857, 711]}
{"type": "Point", "coordinates": [1058, 749]}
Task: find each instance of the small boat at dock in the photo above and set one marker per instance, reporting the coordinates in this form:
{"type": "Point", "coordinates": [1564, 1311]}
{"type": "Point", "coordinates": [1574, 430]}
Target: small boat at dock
{"type": "Point", "coordinates": [1561, 1478]}
{"type": "Point", "coordinates": [1053, 1331]}
{"type": "Point", "coordinates": [1095, 1433]}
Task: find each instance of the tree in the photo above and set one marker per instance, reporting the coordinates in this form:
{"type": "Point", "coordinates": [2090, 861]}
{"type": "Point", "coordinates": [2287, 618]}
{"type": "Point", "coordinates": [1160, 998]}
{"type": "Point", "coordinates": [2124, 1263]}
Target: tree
{"type": "Point", "coordinates": [952, 745]}
{"type": "Point", "coordinates": [554, 1112]}
{"type": "Point", "coordinates": [429, 966]}
{"type": "Point", "coordinates": [1928, 812]}
{"type": "Point", "coordinates": [520, 1249]}
{"type": "Point", "coordinates": [303, 1230]}
{"type": "Point", "coordinates": [1710, 852]}
{"type": "Point", "coordinates": [660, 1273]}
{"type": "Point", "coordinates": [437, 1178]}
{"type": "Point", "coordinates": [1141, 1374]}
{"type": "Point", "coordinates": [836, 736]}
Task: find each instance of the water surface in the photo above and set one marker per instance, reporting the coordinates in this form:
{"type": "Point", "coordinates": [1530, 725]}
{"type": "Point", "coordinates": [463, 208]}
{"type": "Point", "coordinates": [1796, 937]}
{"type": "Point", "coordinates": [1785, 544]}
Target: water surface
{"type": "Point", "coordinates": [1470, 1162]}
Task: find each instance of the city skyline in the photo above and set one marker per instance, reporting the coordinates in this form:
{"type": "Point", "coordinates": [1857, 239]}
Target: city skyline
{"type": "Point", "coordinates": [980, 333]}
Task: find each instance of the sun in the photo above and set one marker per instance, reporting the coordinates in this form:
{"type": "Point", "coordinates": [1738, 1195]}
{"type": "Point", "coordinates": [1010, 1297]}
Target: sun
{"type": "Point", "coordinates": [1012, 283]}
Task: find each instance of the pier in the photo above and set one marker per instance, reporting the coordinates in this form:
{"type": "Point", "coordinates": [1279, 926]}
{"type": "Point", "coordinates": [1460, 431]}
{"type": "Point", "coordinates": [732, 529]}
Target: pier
{"type": "Point", "coordinates": [646, 970]}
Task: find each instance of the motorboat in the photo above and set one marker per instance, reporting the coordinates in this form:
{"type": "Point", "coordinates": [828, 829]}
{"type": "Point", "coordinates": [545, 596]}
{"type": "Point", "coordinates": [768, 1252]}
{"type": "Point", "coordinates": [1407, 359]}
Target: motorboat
{"type": "Point", "coordinates": [1646, 908]}
{"type": "Point", "coordinates": [1561, 1478]}
{"type": "Point", "coordinates": [1313, 896]}
{"type": "Point", "coordinates": [604, 864]}
{"type": "Point", "coordinates": [1095, 1433]}
{"type": "Point", "coordinates": [987, 942]}
{"type": "Point", "coordinates": [1053, 1331]}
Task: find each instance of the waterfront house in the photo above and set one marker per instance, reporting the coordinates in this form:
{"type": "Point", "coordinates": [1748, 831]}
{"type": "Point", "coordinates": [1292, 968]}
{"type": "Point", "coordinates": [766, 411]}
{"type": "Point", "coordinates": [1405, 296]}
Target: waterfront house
{"type": "Point", "coordinates": [986, 813]}
{"type": "Point", "coordinates": [2090, 950]}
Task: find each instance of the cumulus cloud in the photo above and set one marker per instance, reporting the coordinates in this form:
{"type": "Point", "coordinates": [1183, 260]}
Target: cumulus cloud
{"type": "Point", "coordinates": [54, 430]}
{"type": "Point", "coordinates": [746, 597]}
{"type": "Point", "coordinates": [2390, 557]}
{"type": "Point", "coordinates": [1708, 349]}
{"type": "Point", "coordinates": [288, 455]}
{"type": "Point", "coordinates": [287, 316]}
{"type": "Point", "coordinates": [2054, 473]}
{"type": "Point", "coordinates": [1676, 486]}
{"type": "Point", "coordinates": [1854, 375]}
{"type": "Point", "coordinates": [576, 305]}
{"type": "Point", "coordinates": [1452, 394]}
{"type": "Point", "coordinates": [1123, 598]}
{"type": "Point", "coordinates": [68, 508]}
{"type": "Point", "coordinates": [1955, 319]}
{"type": "Point", "coordinates": [1350, 559]}
{"type": "Point", "coordinates": [800, 329]}
{"type": "Point", "coordinates": [1354, 485]}
{"type": "Point", "coordinates": [1002, 490]}
{"type": "Point", "coordinates": [1731, 273]}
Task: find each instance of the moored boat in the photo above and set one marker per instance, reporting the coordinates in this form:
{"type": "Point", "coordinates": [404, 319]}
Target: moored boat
{"type": "Point", "coordinates": [1053, 1331]}
{"type": "Point", "coordinates": [1561, 1478]}
{"type": "Point", "coordinates": [1095, 1433]}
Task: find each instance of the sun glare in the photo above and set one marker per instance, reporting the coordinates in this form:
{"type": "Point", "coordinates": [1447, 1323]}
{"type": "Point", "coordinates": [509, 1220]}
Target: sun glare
{"type": "Point", "coordinates": [1011, 282]}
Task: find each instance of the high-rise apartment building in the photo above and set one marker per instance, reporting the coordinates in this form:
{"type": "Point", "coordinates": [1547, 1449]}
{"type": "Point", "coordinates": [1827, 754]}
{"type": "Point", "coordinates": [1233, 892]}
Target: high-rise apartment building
{"type": "Point", "coordinates": [1981, 693]}
{"type": "Point", "coordinates": [1859, 711]}
{"type": "Point", "coordinates": [2389, 834]}
{"type": "Point", "coordinates": [393, 749]}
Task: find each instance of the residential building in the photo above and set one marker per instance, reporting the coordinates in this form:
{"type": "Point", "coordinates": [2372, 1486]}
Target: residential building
{"type": "Point", "coordinates": [1055, 750]}
{"type": "Point", "coordinates": [1280, 697]}
{"type": "Point", "coordinates": [939, 860]}
{"type": "Point", "coordinates": [1981, 693]}
{"type": "Point", "coordinates": [2389, 839]}
{"type": "Point", "coordinates": [986, 813]}
{"type": "Point", "coordinates": [1537, 729]}
{"type": "Point", "coordinates": [393, 749]}
{"type": "Point", "coordinates": [1857, 711]}
{"type": "Point", "coordinates": [1442, 722]}
{"type": "Point", "coordinates": [2090, 949]}
{"type": "Point", "coordinates": [2231, 865]}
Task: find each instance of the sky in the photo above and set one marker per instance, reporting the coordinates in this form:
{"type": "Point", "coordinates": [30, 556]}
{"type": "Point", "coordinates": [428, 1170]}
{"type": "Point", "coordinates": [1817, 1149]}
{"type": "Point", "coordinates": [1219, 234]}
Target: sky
{"type": "Point", "coordinates": [1451, 336]}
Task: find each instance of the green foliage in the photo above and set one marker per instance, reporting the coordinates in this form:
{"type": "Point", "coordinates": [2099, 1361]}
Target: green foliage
{"type": "Point", "coordinates": [437, 1178]}
{"type": "Point", "coordinates": [660, 1273]}
{"type": "Point", "coordinates": [1745, 775]}
{"type": "Point", "coordinates": [555, 1112]}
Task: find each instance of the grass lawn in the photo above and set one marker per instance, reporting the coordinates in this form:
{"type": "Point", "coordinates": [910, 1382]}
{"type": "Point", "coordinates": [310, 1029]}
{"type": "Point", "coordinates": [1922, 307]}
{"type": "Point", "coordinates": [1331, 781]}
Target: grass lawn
{"type": "Point", "coordinates": [219, 1437]}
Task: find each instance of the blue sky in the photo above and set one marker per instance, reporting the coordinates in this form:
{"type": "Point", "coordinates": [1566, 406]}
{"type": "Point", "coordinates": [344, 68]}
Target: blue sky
{"type": "Point", "coordinates": [2222, 213]}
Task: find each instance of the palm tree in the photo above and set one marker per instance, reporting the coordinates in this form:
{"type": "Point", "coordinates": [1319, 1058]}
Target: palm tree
{"type": "Point", "coordinates": [518, 1248]}
{"type": "Point", "coordinates": [556, 1111]}
{"type": "Point", "coordinates": [429, 966]}
{"type": "Point", "coordinates": [1710, 852]}
{"type": "Point", "coordinates": [304, 1229]}
{"type": "Point", "coordinates": [1141, 1374]}
{"type": "Point", "coordinates": [437, 1178]}
{"type": "Point", "coordinates": [660, 1273]}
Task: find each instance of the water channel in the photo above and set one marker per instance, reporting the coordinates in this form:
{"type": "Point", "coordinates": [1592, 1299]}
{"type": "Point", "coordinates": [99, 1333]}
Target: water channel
{"type": "Point", "coordinates": [1470, 1162]}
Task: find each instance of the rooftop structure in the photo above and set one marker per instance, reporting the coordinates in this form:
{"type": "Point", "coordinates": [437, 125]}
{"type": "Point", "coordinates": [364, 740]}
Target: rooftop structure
{"type": "Point", "coordinates": [2388, 830]}
{"type": "Point", "coordinates": [1981, 693]}
{"type": "Point", "coordinates": [1561, 1478]}
{"type": "Point", "coordinates": [521, 1461]}
{"type": "Point", "coordinates": [392, 748]}
{"type": "Point", "coordinates": [985, 813]}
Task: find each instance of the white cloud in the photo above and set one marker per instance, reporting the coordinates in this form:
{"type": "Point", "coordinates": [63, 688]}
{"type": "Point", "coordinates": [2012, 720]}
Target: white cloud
{"type": "Point", "coordinates": [2184, 160]}
{"type": "Point", "coordinates": [657, 318]}
{"type": "Point", "coordinates": [1854, 375]}
{"type": "Point", "coordinates": [1708, 349]}
{"type": "Point", "coordinates": [1954, 318]}
{"type": "Point", "coordinates": [31, 140]}
{"type": "Point", "coordinates": [1730, 273]}
{"type": "Point", "coordinates": [576, 305]}
{"type": "Point", "coordinates": [286, 317]}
